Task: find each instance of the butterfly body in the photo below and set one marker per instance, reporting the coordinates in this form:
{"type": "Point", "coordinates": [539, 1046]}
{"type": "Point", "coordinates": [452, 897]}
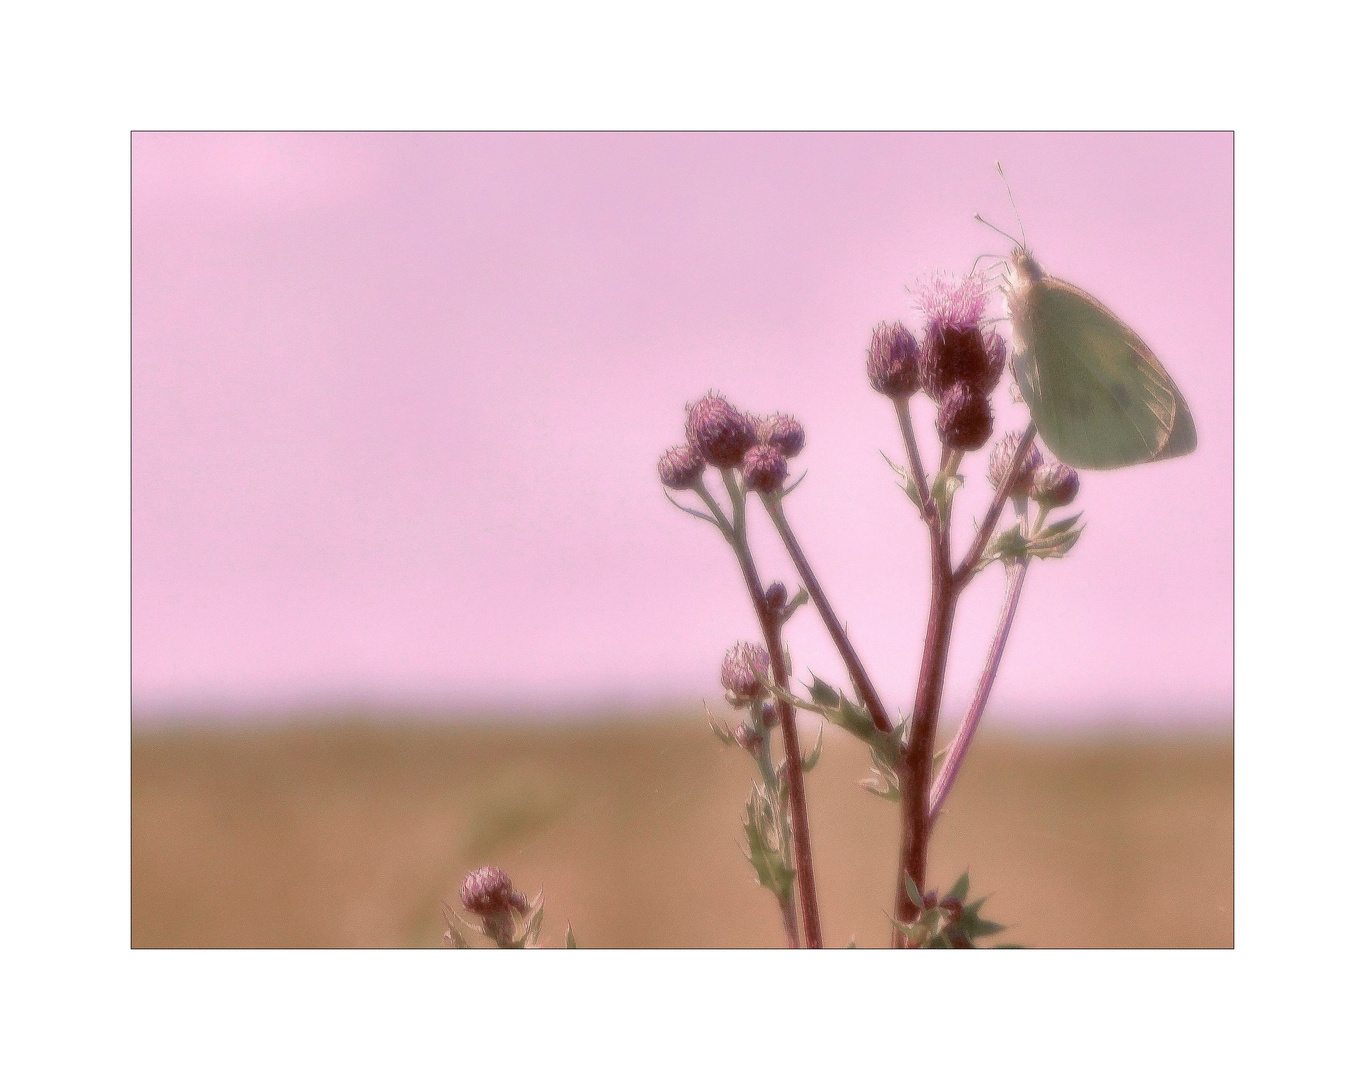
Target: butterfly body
{"type": "Point", "coordinates": [1099, 396]}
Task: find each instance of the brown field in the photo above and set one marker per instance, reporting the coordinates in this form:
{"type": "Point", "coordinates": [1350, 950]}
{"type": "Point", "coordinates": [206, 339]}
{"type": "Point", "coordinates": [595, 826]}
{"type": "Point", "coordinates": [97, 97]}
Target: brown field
{"type": "Point", "coordinates": [332, 835]}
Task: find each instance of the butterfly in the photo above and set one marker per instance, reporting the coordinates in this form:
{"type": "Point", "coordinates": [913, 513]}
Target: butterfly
{"type": "Point", "coordinates": [1098, 395]}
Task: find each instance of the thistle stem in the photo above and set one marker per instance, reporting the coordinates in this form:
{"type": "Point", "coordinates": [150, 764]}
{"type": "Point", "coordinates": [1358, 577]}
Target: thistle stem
{"type": "Point", "coordinates": [943, 783]}
{"type": "Point", "coordinates": [912, 455]}
{"type": "Point", "coordinates": [967, 567]}
{"type": "Point", "coordinates": [856, 672]}
{"type": "Point", "coordinates": [771, 625]}
{"type": "Point", "coordinates": [918, 763]}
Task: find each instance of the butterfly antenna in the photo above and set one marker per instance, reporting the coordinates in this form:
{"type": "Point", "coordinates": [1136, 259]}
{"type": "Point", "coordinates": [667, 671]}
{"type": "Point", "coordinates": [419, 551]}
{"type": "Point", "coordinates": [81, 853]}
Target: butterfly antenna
{"type": "Point", "coordinates": [1001, 231]}
{"type": "Point", "coordinates": [1001, 170]}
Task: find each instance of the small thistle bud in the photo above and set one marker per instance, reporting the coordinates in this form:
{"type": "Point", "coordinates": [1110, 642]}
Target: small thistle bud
{"type": "Point", "coordinates": [742, 672]}
{"type": "Point", "coordinates": [749, 737]}
{"type": "Point", "coordinates": [488, 891]}
{"type": "Point", "coordinates": [764, 469]}
{"type": "Point", "coordinates": [964, 418]}
{"type": "Point", "coordinates": [769, 715]}
{"type": "Point", "coordinates": [719, 431]}
{"type": "Point", "coordinates": [1055, 484]}
{"type": "Point", "coordinates": [681, 467]}
{"type": "Point", "coordinates": [783, 432]}
{"type": "Point", "coordinates": [893, 361]}
{"type": "Point", "coordinates": [1002, 454]}
{"type": "Point", "coordinates": [776, 596]}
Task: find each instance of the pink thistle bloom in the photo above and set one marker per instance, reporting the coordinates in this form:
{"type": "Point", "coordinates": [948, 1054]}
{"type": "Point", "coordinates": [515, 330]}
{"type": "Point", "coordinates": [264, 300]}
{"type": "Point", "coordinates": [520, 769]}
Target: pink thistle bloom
{"type": "Point", "coordinates": [952, 299]}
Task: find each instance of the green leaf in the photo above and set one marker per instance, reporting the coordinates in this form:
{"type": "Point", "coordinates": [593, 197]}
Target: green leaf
{"type": "Point", "coordinates": [1009, 946]}
{"type": "Point", "coordinates": [1054, 547]}
{"type": "Point", "coordinates": [959, 890]}
{"type": "Point", "coordinates": [1057, 527]}
{"type": "Point", "coordinates": [570, 942]}
{"type": "Point", "coordinates": [984, 928]}
{"type": "Point", "coordinates": [907, 482]}
{"type": "Point", "coordinates": [942, 492]}
{"type": "Point", "coordinates": [773, 874]}
{"type": "Point", "coordinates": [822, 693]}
{"type": "Point", "coordinates": [912, 890]}
{"type": "Point", "coordinates": [795, 602]}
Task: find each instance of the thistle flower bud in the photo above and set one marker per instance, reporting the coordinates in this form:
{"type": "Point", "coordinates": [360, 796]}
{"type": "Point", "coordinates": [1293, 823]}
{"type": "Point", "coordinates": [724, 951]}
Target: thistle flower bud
{"type": "Point", "coordinates": [964, 418]}
{"type": "Point", "coordinates": [749, 737]}
{"type": "Point", "coordinates": [783, 432]}
{"type": "Point", "coordinates": [680, 467]}
{"type": "Point", "coordinates": [893, 361]}
{"type": "Point", "coordinates": [769, 715]}
{"type": "Point", "coordinates": [1002, 454]}
{"type": "Point", "coordinates": [764, 469]}
{"type": "Point", "coordinates": [776, 596]}
{"type": "Point", "coordinates": [742, 672]}
{"type": "Point", "coordinates": [719, 431]}
{"type": "Point", "coordinates": [1055, 484]}
{"type": "Point", "coordinates": [489, 891]}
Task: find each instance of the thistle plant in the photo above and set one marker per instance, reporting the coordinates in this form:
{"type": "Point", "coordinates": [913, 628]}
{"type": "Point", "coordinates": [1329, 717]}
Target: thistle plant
{"type": "Point", "coordinates": [732, 461]}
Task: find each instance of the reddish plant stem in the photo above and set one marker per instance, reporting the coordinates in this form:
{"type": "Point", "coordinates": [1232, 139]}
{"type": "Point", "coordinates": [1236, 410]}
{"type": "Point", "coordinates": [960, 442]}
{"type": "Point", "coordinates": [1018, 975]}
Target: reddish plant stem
{"type": "Point", "coordinates": [967, 567]}
{"type": "Point", "coordinates": [856, 672]}
{"type": "Point", "coordinates": [917, 770]}
{"type": "Point", "coordinates": [771, 625]}
{"type": "Point", "coordinates": [917, 767]}
{"type": "Point", "coordinates": [928, 510]}
{"type": "Point", "coordinates": [957, 751]}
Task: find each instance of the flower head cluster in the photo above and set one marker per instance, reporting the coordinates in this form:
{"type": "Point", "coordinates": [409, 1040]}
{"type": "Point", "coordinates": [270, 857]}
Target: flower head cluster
{"type": "Point", "coordinates": [742, 672]}
{"type": "Point", "coordinates": [721, 435]}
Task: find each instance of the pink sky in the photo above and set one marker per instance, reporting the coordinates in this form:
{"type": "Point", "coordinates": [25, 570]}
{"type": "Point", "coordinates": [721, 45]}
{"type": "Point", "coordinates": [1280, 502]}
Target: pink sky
{"type": "Point", "coordinates": [397, 402]}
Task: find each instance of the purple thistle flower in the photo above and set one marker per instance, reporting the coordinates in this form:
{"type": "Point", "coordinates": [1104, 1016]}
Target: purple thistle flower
{"type": "Point", "coordinates": [764, 469]}
{"type": "Point", "coordinates": [783, 432]}
{"type": "Point", "coordinates": [893, 361]}
{"type": "Point", "coordinates": [742, 672]}
{"type": "Point", "coordinates": [769, 715]}
{"type": "Point", "coordinates": [719, 431]}
{"type": "Point", "coordinates": [1001, 456]}
{"type": "Point", "coordinates": [489, 891]}
{"type": "Point", "coordinates": [964, 418]}
{"type": "Point", "coordinates": [1055, 484]}
{"type": "Point", "coordinates": [681, 467]}
{"type": "Point", "coordinates": [955, 349]}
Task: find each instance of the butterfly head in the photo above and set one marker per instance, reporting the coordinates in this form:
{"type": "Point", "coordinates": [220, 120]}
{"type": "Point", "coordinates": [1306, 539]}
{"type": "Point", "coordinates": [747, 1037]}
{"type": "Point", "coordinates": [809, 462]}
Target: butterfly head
{"type": "Point", "coordinates": [1024, 268]}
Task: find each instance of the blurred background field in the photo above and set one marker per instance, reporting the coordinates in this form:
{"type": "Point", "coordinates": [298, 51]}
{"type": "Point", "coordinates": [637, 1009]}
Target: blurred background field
{"type": "Point", "coordinates": [349, 833]}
